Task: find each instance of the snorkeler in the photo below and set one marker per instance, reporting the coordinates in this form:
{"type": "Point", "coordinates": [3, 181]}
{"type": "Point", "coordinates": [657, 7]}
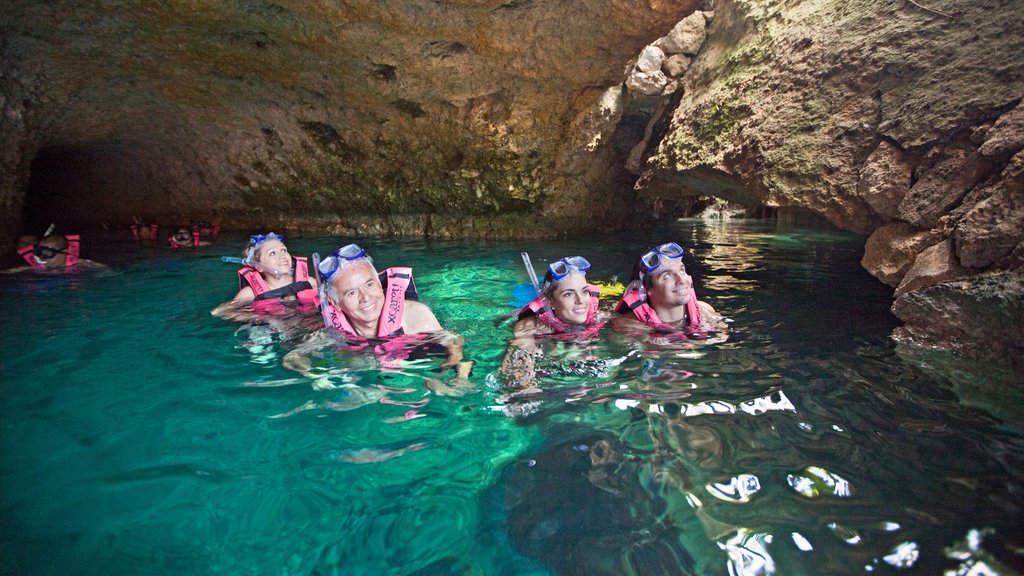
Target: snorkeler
{"type": "Point", "coordinates": [270, 276]}
{"type": "Point", "coordinates": [566, 307]}
{"type": "Point", "coordinates": [661, 296]}
{"type": "Point", "coordinates": [54, 253]}
{"type": "Point", "coordinates": [183, 238]}
{"type": "Point", "coordinates": [365, 308]}
{"type": "Point", "coordinates": [208, 230]}
{"type": "Point", "coordinates": [144, 232]}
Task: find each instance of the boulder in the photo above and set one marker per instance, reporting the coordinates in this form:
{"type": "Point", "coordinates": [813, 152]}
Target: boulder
{"type": "Point", "coordinates": [932, 266]}
{"type": "Point", "coordinates": [676, 65]}
{"type": "Point", "coordinates": [686, 37]}
{"type": "Point", "coordinates": [1006, 137]}
{"type": "Point", "coordinates": [978, 316]}
{"type": "Point", "coordinates": [942, 186]}
{"type": "Point", "coordinates": [650, 59]}
{"type": "Point", "coordinates": [891, 250]}
{"type": "Point", "coordinates": [647, 83]}
{"type": "Point", "coordinates": [994, 225]}
{"type": "Point", "coordinates": [885, 179]}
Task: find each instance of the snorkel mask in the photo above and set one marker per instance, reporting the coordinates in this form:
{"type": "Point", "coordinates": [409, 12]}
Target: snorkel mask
{"type": "Point", "coordinates": [340, 259]}
{"type": "Point", "coordinates": [44, 253]}
{"type": "Point", "coordinates": [562, 268]}
{"type": "Point", "coordinates": [256, 239]}
{"type": "Point", "coordinates": [654, 259]}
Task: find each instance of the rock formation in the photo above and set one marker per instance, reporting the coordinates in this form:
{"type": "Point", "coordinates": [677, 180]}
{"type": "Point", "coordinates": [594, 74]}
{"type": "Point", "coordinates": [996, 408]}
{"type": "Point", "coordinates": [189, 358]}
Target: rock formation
{"type": "Point", "coordinates": [497, 118]}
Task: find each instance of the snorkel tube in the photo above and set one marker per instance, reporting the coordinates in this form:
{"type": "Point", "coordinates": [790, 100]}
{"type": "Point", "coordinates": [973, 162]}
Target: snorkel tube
{"type": "Point", "coordinates": [253, 264]}
{"type": "Point", "coordinates": [536, 284]}
{"type": "Point", "coordinates": [325, 304]}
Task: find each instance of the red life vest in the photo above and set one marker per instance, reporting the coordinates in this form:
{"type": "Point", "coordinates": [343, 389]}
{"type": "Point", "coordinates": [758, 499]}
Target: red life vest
{"type": "Point", "coordinates": [70, 261]}
{"type": "Point", "coordinates": [398, 285]}
{"type": "Point", "coordinates": [269, 301]}
{"type": "Point", "coordinates": [589, 327]}
{"type": "Point", "coordinates": [633, 303]}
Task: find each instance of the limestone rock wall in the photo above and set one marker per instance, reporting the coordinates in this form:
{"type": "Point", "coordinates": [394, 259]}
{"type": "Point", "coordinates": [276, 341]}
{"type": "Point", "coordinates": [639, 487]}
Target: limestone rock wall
{"type": "Point", "coordinates": [901, 120]}
{"type": "Point", "coordinates": [391, 116]}
{"type": "Point", "coordinates": [898, 119]}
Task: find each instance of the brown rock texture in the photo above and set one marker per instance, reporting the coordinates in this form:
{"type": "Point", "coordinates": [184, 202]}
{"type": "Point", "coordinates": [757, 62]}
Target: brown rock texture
{"type": "Point", "coordinates": [892, 249]}
{"type": "Point", "coordinates": [410, 117]}
{"type": "Point", "coordinates": [895, 119]}
{"type": "Point", "coordinates": [510, 118]}
{"type": "Point", "coordinates": [979, 316]}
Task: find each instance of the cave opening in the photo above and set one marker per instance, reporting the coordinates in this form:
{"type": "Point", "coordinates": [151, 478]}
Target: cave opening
{"type": "Point", "coordinates": [82, 187]}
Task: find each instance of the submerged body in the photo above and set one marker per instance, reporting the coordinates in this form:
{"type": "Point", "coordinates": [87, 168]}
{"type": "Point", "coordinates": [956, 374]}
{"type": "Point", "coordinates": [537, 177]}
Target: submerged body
{"type": "Point", "coordinates": [566, 309]}
{"type": "Point", "coordinates": [271, 278]}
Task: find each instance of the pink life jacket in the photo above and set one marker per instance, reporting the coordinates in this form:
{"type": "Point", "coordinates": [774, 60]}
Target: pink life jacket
{"type": "Point", "coordinates": [195, 239]}
{"type": "Point", "coordinates": [267, 300]}
{"type": "Point", "coordinates": [633, 303]}
{"type": "Point", "coordinates": [152, 231]}
{"type": "Point", "coordinates": [589, 327]}
{"type": "Point", "coordinates": [398, 285]}
{"type": "Point", "coordinates": [70, 261]}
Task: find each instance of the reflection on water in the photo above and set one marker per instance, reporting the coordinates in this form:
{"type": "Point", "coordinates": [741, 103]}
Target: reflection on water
{"type": "Point", "coordinates": [142, 437]}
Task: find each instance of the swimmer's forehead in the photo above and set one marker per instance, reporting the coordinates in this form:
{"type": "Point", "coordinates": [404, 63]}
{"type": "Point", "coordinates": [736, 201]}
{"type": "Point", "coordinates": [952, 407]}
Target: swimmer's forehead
{"type": "Point", "coordinates": [268, 245]}
{"type": "Point", "coordinates": [574, 279]}
{"type": "Point", "coordinates": [354, 275]}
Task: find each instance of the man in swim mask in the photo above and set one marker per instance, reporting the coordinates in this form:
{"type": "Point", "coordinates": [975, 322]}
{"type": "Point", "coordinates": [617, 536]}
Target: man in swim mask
{"type": "Point", "coordinates": [661, 295]}
{"type": "Point", "coordinates": [182, 238]}
{"type": "Point", "coordinates": [54, 253]}
{"type": "Point", "coordinates": [362, 308]}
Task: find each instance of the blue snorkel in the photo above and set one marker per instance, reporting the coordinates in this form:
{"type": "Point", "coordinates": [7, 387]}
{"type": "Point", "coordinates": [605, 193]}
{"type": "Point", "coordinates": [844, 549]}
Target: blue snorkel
{"type": "Point", "coordinates": [252, 264]}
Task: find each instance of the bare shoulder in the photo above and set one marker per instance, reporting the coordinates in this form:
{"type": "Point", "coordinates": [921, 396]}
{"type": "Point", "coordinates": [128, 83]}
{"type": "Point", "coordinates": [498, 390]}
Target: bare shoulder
{"type": "Point", "coordinates": [530, 326]}
{"type": "Point", "coordinates": [706, 310]}
{"type": "Point", "coordinates": [417, 317]}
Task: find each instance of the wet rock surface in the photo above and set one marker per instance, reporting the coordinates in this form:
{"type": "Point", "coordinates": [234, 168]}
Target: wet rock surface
{"type": "Point", "coordinates": [901, 121]}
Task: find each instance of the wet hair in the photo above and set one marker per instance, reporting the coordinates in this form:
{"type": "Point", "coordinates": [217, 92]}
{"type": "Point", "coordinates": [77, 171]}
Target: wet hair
{"type": "Point", "coordinates": [55, 240]}
{"type": "Point", "coordinates": [637, 275]}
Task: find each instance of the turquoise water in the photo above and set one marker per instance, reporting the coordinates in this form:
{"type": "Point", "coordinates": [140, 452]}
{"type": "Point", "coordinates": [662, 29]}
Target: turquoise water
{"type": "Point", "coordinates": [142, 436]}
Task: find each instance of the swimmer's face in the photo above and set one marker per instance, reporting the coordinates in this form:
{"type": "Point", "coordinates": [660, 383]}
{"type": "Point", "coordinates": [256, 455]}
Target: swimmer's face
{"type": "Point", "coordinates": [570, 300]}
{"type": "Point", "coordinates": [182, 237]}
{"type": "Point", "coordinates": [50, 253]}
{"type": "Point", "coordinates": [274, 255]}
{"type": "Point", "coordinates": [359, 293]}
{"type": "Point", "coordinates": [144, 232]}
{"type": "Point", "coordinates": [670, 284]}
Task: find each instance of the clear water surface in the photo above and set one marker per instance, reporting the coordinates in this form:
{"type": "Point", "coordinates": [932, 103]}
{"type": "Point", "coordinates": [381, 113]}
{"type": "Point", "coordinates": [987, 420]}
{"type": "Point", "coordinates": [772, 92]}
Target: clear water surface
{"type": "Point", "coordinates": [140, 435]}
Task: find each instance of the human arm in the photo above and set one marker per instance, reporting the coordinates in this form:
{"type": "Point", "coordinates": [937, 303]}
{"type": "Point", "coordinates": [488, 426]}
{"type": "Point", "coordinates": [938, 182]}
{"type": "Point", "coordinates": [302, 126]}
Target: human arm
{"type": "Point", "coordinates": [519, 365]}
{"type": "Point", "coordinates": [710, 318]}
{"type": "Point", "coordinates": [419, 318]}
{"type": "Point", "coordinates": [232, 309]}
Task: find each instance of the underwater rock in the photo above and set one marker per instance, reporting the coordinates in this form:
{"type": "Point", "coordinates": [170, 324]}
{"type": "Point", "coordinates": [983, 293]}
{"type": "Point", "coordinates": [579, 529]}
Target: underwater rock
{"type": "Point", "coordinates": [978, 316]}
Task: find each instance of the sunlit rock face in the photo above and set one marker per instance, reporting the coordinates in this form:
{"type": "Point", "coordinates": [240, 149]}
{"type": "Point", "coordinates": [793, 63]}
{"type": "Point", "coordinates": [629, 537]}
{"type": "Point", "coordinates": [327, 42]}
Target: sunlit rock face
{"type": "Point", "coordinates": [416, 117]}
{"type": "Point", "coordinates": [899, 120]}
{"type": "Point", "coordinates": [520, 118]}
